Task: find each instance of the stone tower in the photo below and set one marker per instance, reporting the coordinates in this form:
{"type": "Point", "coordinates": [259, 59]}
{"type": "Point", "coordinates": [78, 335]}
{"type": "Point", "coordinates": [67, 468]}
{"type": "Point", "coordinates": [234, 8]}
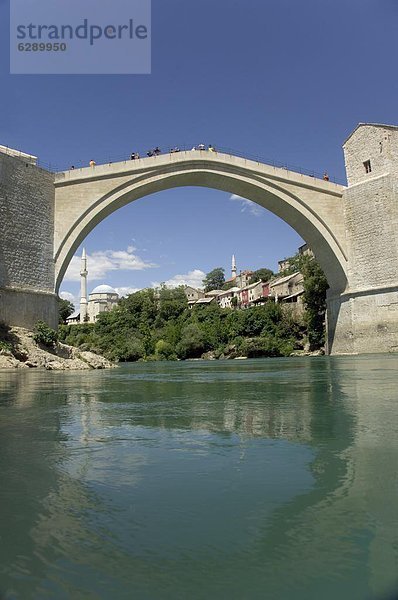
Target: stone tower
{"type": "Point", "coordinates": [365, 317]}
{"type": "Point", "coordinates": [83, 288]}
{"type": "Point", "coordinates": [233, 270]}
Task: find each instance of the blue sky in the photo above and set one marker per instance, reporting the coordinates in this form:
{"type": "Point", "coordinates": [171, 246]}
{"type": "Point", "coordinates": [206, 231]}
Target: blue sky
{"type": "Point", "coordinates": [286, 80]}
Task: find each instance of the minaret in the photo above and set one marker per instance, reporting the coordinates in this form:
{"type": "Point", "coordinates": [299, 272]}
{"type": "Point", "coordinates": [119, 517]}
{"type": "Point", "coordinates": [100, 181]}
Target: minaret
{"type": "Point", "coordinates": [83, 288]}
{"type": "Point", "coordinates": [233, 270]}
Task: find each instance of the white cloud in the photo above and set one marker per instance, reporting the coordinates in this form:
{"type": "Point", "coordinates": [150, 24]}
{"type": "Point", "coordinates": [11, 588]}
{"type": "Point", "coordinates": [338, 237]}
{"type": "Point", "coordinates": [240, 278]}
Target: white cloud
{"type": "Point", "coordinates": [125, 291]}
{"type": "Point", "coordinates": [69, 296]}
{"type": "Point", "coordinates": [248, 205]}
{"type": "Point", "coordinates": [100, 263]}
{"type": "Point", "coordinates": [193, 278]}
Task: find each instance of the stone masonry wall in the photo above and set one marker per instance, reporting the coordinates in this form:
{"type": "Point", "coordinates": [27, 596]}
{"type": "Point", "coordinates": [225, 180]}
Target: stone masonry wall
{"type": "Point", "coordinates": [371, 213]}
{"type": "Point", "coordinates": [26, 244]}
{"type": "Point", "coordinates": [26, 226]}
{"type": "Point", "coordinates": [379, 144]}
{"type": "Point", "coordinates": [365, 318]}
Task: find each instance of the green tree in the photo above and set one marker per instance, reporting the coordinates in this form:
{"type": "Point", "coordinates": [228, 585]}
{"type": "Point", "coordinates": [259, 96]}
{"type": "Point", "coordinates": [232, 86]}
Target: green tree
{"type": "Point", "coordinates": [261, 275]}
{"type": "Point", "coordinates": [193, 343]}
{"type": "Point", "coordinates": [214, 280]}
{"type": "Point", "coordinates": [164, 350]}
{"type": "Point", "coordinates": [315, 286]}
{"type": "Point", "coordinates": [171, 304]}
{"type": "Point", "coordinates": [158, 325]}
{"type": "Point", "coordinates": [43, 334]}
{"type": "Point", "coordinates": [65, 309]}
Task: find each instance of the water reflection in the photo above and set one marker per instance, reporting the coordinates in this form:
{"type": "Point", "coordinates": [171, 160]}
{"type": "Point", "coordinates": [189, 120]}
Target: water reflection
{"type": "Point", "coordinates": [201, 480]}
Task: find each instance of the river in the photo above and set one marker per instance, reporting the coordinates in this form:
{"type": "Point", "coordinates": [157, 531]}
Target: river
{"type": "Point", "coordinates": [273, 479]}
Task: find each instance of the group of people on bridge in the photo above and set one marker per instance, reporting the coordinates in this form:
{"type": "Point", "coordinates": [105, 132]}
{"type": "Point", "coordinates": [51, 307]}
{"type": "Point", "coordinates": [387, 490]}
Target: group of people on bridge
{"type": "Point", "coordinates": [156, 151]}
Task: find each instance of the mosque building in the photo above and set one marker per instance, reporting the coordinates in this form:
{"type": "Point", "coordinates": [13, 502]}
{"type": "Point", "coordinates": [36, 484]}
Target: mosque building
{"type": "Point", "coordinates": [103, 298]}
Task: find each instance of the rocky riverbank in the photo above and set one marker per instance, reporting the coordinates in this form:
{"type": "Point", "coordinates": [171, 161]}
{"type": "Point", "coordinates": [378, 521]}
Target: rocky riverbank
{"type": "Point", "coordinates": [18, 350]}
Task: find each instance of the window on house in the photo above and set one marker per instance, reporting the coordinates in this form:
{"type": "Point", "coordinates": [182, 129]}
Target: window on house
{"type": "Point", "coordinates": [368, 166]}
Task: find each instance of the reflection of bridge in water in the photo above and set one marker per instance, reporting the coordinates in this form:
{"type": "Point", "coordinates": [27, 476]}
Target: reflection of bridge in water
{"type": "Point", "coordinates": [335, 416]}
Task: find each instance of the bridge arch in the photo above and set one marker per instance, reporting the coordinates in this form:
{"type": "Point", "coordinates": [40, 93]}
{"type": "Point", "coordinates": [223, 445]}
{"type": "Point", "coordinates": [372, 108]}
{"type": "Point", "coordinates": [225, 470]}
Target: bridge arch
{"type": "Point", "coordinates": [312, 207]}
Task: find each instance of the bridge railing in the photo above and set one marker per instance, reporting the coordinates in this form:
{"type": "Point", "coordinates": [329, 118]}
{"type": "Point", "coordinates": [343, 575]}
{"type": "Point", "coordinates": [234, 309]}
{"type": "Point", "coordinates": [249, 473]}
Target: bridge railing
{"type": "Point", "coordinates": [188, 147]}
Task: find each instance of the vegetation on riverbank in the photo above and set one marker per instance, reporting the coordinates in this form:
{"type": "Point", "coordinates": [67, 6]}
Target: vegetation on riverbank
{"type": "Point", "coordinates": [158, 325]}
{"type": "Point", "coordinates": [152, 326]}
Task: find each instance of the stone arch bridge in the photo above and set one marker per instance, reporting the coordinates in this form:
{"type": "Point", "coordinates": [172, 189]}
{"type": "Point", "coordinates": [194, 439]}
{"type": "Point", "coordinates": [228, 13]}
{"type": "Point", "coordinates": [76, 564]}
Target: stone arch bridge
{"type": "Point", "coordinates": [352, 230]}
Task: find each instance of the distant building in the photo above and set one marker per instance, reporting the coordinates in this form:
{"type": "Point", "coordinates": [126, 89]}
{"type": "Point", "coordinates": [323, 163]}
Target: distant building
{"type": "Point", "coordinates": [289, 287]}
{"type": "Point", "coordinates": [207, 300]}
{"type": "Point", "coordinates": [73, 318]}
{"type": "Point", "coordinates": [283, 265]}
{"type": "Point", "coordinates": [193, 294]}
{"type": "Point", "coordinates": [305, 250]}
{"type": "Point", "coordinates": [225, 298]}
{"type": "Point", "coordinates": [103, 298]}
{"type": "Point", "coordinates": [243, 278]}
{"type": "Point", "coordinates": [213, 293]}
{"type": "Point", "coordinates": [202, 301]}
{"type": "Point", "coordinates": [266, 290]}
{"type": "Point", "coordinates": [250, 294]}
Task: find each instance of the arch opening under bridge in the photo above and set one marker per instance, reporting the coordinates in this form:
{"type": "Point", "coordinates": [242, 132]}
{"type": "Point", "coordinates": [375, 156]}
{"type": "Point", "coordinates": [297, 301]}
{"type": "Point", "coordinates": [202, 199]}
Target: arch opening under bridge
{"type": "Point", "coordinates": [312, 207]}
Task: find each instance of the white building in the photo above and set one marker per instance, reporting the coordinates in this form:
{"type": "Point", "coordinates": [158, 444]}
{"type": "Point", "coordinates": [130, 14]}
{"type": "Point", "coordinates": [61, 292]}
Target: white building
{"type": "Point", "coordinates": [225, 298]}
{"type": "Point", "coordinates": [102, 299]}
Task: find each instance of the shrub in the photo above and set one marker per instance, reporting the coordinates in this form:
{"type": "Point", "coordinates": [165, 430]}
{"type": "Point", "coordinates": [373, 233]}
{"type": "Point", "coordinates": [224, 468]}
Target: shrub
{"type": "Point", "coordinates": [163, 350]}
{"type": "Point", "coordinates": [192, 344]}
{"type": "Point", "coordinates": [266, 346]}
{"type": "Point", "coordinates": [5, 346]}
{"type": "Point", "coordinates": [126, 350]}
{"type": "Point", "coordinates": [43, 334]}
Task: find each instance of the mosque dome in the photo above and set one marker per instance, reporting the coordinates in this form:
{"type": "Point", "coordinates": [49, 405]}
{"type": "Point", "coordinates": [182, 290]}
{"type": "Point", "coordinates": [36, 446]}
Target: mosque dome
{"type": "Point", "coordinates": [104, 289]}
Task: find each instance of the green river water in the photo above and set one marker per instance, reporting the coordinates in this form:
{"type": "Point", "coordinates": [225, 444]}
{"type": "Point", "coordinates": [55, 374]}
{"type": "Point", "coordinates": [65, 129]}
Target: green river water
{"type": "Point", "coordinates": [268, 479]}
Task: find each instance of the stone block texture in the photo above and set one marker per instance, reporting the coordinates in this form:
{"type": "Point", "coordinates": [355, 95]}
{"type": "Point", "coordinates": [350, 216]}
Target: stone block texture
{"type": "Point", "coordinates": [26, 242]}
{"type": "Point", "coordinates": [371, 217]}
{"type": "Point", "coordinates": [375, 143]}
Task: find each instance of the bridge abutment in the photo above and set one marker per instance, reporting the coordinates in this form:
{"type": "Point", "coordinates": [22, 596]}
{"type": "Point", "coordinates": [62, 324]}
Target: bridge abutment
{"type": "Point", "coordinates": [363, 322]}
{"type": "Point", "coordinates": [27, 288]}
{"type": "Point", "coordinates": [364, 319]}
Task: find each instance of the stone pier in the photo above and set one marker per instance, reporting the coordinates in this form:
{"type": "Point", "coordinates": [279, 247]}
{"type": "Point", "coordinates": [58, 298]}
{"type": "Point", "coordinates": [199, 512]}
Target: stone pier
{"type": "Point", "coordinates": [27, 289]}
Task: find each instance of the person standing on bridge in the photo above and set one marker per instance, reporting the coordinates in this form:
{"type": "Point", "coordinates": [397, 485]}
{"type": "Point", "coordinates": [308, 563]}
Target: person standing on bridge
{"type": "Point", "coordinates": [211, 148]}
{"type": "Point", "coordinates": [92, 163]}
{"type": "Point", "coordinates": [325, 176]}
